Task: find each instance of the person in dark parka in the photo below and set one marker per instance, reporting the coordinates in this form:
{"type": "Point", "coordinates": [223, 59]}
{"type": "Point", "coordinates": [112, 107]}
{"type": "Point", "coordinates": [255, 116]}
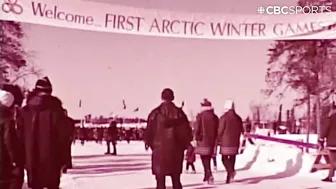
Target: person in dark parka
{"type": "Point", "coordinates": [44, 136]}
{"type": "Point", "coordinates": [328, 132]}
{"type": "Point", "coordinates": [206, 128]}
{"type": "Point", "coordinates": [229, 132]}
{"type": "Point", "coordinates": [69, 129]}
{"type": "Point", "coordinates": [168, 134]}
{"type": "Point", "coordinates": [11, 160]}
{"type": "Point", "coordinates": [100, 135]}
{"type": "Point", "coordinates": [112, 136]}
{"type": "Point", "coordinates": [18, 176]}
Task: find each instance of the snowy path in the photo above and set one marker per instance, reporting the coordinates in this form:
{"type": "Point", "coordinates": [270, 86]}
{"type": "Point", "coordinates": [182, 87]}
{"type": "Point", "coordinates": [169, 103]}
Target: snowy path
{"type": "Point", "coordinates": [131, 169]}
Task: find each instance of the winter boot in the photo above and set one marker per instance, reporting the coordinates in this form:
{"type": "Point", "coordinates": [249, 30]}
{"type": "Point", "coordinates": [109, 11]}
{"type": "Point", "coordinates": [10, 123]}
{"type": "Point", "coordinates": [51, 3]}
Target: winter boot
{"type": "Point", "coordinates": [228, 178]}
{"type": "Point", "coordinates": [211, 180]}
{"type": "Point", "coordinates": [328, 179]}
{"type": "Point", "coordinates": [233, 174]}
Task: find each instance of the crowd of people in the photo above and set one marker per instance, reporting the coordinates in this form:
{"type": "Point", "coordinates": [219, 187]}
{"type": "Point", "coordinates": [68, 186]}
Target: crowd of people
{"type": "Point", "coordinates": [38, 136]}
{"type": "Point", "coordinates": [100, 134]}
{"type": "Point", "coordinates": [169, 134]}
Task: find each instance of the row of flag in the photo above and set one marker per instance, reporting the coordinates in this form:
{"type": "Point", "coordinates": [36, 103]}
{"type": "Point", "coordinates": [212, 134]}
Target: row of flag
{"type": "Point", "coordinates": [123, 103]}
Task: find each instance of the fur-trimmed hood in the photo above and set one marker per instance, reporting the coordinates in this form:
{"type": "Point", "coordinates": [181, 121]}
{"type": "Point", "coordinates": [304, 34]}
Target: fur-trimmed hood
{"type": "Point", "coordinates": [206, 108]}
{"type": "Point", "coordinates": [42, 102]}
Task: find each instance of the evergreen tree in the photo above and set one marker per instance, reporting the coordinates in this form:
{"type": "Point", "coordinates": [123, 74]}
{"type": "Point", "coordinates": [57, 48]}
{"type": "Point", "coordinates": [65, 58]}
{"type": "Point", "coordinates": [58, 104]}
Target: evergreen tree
{"type": "Point", "coordinates": [12, 54]}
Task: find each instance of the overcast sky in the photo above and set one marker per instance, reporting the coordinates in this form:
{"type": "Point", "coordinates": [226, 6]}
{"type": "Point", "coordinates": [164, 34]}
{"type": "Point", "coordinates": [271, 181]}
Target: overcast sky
{"type": "Point", "coordinates": [104, 68]}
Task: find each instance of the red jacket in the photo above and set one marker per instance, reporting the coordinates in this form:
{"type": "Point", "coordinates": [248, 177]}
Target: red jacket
{"type": "Point", "coordinates": [190, 155]}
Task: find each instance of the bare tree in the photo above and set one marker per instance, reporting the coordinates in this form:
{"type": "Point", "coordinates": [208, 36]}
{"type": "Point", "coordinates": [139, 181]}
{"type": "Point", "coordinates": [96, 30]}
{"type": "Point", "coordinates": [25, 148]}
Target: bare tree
{"type": "Point", "coordinates": [305, 66]}
{"type": "Point", "coordinates": [261, 111]}
{"type": "Point", "coordinates": [14, 67]}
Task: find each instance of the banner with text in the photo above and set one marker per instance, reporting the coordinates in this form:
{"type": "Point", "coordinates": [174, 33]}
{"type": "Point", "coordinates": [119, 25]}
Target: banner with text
{"type": "Point", "coordinates": [93, 16]}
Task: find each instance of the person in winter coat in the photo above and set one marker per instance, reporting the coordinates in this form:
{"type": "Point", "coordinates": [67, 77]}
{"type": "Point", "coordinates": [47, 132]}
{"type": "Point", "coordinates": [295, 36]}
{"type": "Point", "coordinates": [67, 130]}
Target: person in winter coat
{"type": "Point", "coordinates": [328, 132]}
{"type": "Point", "coordinates": [229, 132]}
{"type": "Point", "coordinates": [206, 127]}
{"type": "Point", "coordinates": [83, 134]}
{"type": "Point", "coordinates": [44, 136]}
{"type": "Point", "coordinates": [100, 135]}
{"type": "Point", "coordinates": [248, 130]}
{"type": "Point", "coordinates": [129, 134]}
{"type": "Point", "coordinates": [168, 134]}
{"type": "Point", "coordinates": [70, 129]}
{"type": "Point", "coordinates": [112, 137]}
{"type": "Point", "coordinates": [11, 162]}
{"type": "Point", "coordinates": [18, 177]}
{"type": "Point", "coordinates": [190, 158]}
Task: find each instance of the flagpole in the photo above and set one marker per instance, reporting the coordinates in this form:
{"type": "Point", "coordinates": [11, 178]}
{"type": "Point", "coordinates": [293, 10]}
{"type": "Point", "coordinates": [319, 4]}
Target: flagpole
{"type": "Point", "coordinates": [81, 112]}
{"type": "Point", "coordinates": [137, 116]}
{"type": "Point", "coordinates": [124, 109]}
{"type": "Point", "coordinates": [138, 119]}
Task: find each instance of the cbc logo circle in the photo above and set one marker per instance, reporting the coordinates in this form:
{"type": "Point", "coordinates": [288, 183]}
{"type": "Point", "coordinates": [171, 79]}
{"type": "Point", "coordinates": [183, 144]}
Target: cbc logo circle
{"type": "Point", "coordinates": [11, 6]}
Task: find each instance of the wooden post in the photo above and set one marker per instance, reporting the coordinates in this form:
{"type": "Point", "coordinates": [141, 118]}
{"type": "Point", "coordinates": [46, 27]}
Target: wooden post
{"type": "Point", "coordinates": [318, 114]}
{"type": "Point", "coordinates": [308, 121]}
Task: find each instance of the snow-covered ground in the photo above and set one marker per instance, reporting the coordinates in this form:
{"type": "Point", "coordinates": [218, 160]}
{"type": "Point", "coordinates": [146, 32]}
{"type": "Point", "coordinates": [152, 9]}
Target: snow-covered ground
{"type": "Point", "coordinates": [131, 169]}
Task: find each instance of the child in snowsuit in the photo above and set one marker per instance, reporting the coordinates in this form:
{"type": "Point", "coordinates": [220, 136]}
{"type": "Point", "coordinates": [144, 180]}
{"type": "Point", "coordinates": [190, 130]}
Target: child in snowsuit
{"type": "Point", "coordinates": [190, 158]}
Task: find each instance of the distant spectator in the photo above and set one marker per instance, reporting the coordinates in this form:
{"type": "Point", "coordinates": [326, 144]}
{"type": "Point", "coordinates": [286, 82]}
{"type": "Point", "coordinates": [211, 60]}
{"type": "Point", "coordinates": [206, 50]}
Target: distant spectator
{"type": "Point", "coordinates": [112, 137]}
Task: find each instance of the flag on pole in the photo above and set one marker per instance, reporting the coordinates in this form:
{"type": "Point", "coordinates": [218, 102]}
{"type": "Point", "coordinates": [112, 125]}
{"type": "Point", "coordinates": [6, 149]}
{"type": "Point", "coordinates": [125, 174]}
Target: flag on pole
{"type": "Point", "coordinates": [136, 109]}
{"type": "Point", "coordinates": [80, 103]}
{"type": "Point", "coordinates": [124, 104]}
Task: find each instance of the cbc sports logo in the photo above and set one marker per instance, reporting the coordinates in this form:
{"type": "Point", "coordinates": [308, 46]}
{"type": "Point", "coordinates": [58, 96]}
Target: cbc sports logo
{"type": "Point", "coordinates": [275, 10]}
{"type": "Point", "coordinates": [11, 6]}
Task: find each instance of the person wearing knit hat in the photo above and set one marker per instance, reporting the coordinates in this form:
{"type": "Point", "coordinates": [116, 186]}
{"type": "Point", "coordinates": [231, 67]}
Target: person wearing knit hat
{"type": "Point", "coordinates": [11, 162]}
{"type": "Point", "coordinates": [229, 132]}
{"type": "Point", "coordinates": [45, 114]}
{"type": "Point", "coordinates": [228, 105]}
{"type": "Point", "coordinates": [16, 91]}
{"type": "Point", "coordinates": [206, 127]}
{"type": "Point", "coordinates": [43, 85]}
{"type": "Point", "coordinates": [168, 134]}
{"type": "Point", "coordinates": [206, 103]}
